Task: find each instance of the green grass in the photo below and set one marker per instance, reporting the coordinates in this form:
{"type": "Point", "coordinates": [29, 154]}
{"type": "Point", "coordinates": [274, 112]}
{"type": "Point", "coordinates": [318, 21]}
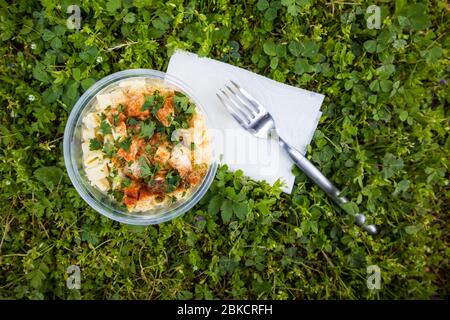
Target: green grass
{"type": "Point", "coordinates": [383, 138]}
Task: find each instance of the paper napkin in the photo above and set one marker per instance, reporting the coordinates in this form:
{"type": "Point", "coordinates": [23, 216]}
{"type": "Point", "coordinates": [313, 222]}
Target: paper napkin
{"type": "Point", "coordinates": [296, 113]}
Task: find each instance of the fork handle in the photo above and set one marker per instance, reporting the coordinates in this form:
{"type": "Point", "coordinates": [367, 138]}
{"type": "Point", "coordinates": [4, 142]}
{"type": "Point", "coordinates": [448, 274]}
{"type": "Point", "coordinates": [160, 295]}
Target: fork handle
{"type": "Point", "coordinates": [326, 185]}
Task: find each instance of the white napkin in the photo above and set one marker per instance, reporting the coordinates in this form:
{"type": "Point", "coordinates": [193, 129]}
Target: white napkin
{"type": "Point", "coordinates": [296, 113]}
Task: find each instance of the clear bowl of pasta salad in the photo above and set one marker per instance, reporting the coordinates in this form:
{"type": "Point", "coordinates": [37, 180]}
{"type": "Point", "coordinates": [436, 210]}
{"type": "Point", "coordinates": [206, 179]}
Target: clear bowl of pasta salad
{"type": "Point", "coordinates": [138, 148]}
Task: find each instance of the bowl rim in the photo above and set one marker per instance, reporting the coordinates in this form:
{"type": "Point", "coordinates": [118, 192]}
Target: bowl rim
{"type": "Point", "coordinates": [71, 167]}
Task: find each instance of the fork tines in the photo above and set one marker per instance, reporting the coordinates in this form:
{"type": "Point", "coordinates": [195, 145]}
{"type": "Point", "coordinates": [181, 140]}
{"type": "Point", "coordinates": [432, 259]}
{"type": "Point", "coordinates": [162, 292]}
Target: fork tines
{"type": "Point", "coordinates": [242, 106]}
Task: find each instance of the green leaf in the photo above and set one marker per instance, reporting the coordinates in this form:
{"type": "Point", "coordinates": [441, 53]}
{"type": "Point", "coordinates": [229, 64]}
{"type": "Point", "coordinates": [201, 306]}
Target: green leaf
{"type": "Point", "coordinates": [180, 101]}
{"type": "Point", "coordinates": [94, 144]}
{"type": "Point", "coordinates": [391, 165]}
{"type": "Point", "coordinates": [173, 180]}
{"type": "Point", "coordinates": [113, 5]}
{"type": "Point", "coordinates": [399, 6]}
{"type": "Point", "coordinates": [433, 54]}
{"type": "Point", "coordinates": [214, 204]}
{"type": "Point", "coordinates": [56, 43]}
{"type": "Point", "coordinates": [129, 18]}
{"type": "Point", "coordinates": [105, 127]}
{"type": "Point", "coordinates": [240, 209]}
{"type": "Point", "coordinates": [76, 74]}
{"type": "Point", "coordinates": [348, 85]}
{"type": "Point", "coordinates": [149, 100]}
{"type": "Point", "coordinates": [295, 48]}
{"type": "Point", "coordinates": [37, 278]}
{"type": "Point", "coordinates": [302, 66]}
{"type": "Point", "coordinates": [59, 30]}
{"type": "Point", "coordinates": [51, 94]}
{"type": "Point", "coordinates": [162, 22]}
{"type": "Point", "coordinates": [310, 48]}
{"type": "Point", "coordinates": [144, 169]}
{"type": "Point", "coordinates": [399, 44]}
{"type": "Point", "coordinates": [147, 129]}
{"type": "Point", "coordinates": [72, 90]}
{"type": "Point", "coordinates": [49, 176]}
{"type": "Point", "coordinates": [262, 5]}
{"type": "Point", "coordinates": [48, 35]}
{"type": "Point", "coordinates": [411, 230]}
{"type": "Point", "coordinates": [270, 14]}
{"type": "Point", "coordinates": [274, 62]}
{"type": "Point", "coordinates": [184, 295]}
{"type": "Point", "coordinates": [351, 208]}
{"type": "Point", "coordinates": [226, 210]}
{"type": "Point", "coordinates": [87, 83]}
{"type": "Point", "coordinates": [403, 115]}
{"type": "Point", "coordinates": [386, 85]}
{"type": "Point", "coordinates": [159, 102]}
{"type": "Point", "coordinates": [39, 73]}
{"type": "Point", "coordinates": [270, 48]}
{"type": "Point", "coordinates": [125, 144]}
{"type": "Point", "coordinates": [375, 85]}
{"type": "Point", "coordinates": [418, 17]}
{"type": "Point", "coordinates": [109, 149]}
{"type": "Point", "coordinates": [402, 186]}
{"type": "Point", "coordinates": [370, 46]}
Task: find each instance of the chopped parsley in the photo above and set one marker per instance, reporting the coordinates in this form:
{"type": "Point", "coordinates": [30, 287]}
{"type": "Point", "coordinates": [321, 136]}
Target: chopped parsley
{"type": "Point", "coordinates": [95, 144]}
{"type": "Point", "coordinates": [118, 195]}
{"type": "Point", "coordinates": [125, 144]}
{"type": "Point", "coordinates": [132, 121]}
{"type": "Point", "coordinates": [172, 180]}
{"type": "Point", "coordinates": [148, 102]}
{"type": "Point", "coordinates": [144, 168]}
{"type": "Point", "coordinates": [147, 129]}
{"type": "Point", "coordinates": [148, 149]}
{"type": "Point", "coordinates": [159, 101]}
{"type": "Point", "coordinates": [116, 119]}
{"type": "Point", "coordinates": [105, 127]}
{"type": "Point", "coordinates": [109, 149]}
{"type": "Point", "coordinates": [126, 182]}
{"type": "Point", "coordinates": [180, 101]}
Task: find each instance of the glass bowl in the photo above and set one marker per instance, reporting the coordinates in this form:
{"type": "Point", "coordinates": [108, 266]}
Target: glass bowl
{"type": "Point", "coordinates": [73, 156]}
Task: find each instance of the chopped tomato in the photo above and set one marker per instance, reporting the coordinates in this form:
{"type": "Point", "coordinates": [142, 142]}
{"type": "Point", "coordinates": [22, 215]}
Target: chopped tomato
{"type": "Point", "coordinates": [144, 194]}
{"type": "Point", "coordinates": [131, 195]}
{"type": "Point", "coordinates": [131, 154]}
{"type": "Point", "coordinates": [134, 106]}
{"type": "Point", "coordinates": [162, 154]}
{"type": "Point", "coordinates": [166, 111]}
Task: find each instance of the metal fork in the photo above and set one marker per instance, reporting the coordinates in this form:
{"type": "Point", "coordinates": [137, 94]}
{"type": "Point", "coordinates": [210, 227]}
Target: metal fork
{"type": "Point", "coordinates": [253, 117]}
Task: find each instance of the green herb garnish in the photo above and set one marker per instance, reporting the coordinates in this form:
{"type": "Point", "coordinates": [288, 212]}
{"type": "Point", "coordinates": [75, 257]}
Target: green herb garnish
{"type": "Point", "coordinates": [94, 144]}
{"type": "Point", "coordinates": [105, 127]}
{"type": "Point", "coordinates": [132, 121]}
{"type": "Point", "coordinates": [126, 182]}
{"type": "Point", "coordinates": [145, 169]}
{"type": "Point", "coordinates": [116, 119]}
{"type": "Point", "coordinates": [147, 129]}
{"type": "Point", "coordinates": [159, 100]}
{"type": "Point", "coordinates": [118, 195]}
{"type": "Point", "coordinates": [125, 144]}
{"type": "Point", "coordinates": [148, 102]}
{"type": "Point", "coordinates": [109, 149]}
{"type": "Point", "coordinates": [172, 180]}
{"type": "Point", "coordinates": [180, 101]}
